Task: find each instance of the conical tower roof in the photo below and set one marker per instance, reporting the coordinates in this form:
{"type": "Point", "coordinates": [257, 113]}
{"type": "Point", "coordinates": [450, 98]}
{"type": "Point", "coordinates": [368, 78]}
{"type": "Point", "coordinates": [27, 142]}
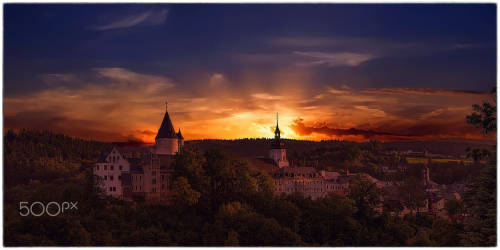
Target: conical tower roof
{"type": "Point", "coordinates": [166, 129]}
{"type": "Point", "coordinates": [179, 134]}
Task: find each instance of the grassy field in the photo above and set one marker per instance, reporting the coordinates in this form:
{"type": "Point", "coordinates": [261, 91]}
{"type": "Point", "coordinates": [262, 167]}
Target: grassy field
{"type": "Point", "coordinates": [422, 160]}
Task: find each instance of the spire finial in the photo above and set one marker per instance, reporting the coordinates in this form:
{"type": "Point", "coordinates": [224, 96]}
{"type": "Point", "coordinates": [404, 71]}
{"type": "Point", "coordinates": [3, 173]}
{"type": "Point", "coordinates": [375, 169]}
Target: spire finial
{"type": "Point", "coordinates": [166, 105]}
{"type": "Point", "coordinates": [276, 119]}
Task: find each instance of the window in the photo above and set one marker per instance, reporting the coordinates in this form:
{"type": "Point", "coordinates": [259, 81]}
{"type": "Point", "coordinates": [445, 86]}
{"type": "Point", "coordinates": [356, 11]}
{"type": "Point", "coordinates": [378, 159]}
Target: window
{"type": "Point", "coordinates": [105, 167]}
{"type": "Point", "coordinates": [120, 177]}
{"type": "Point", "coordinates": [111, 177]}
{"type": "Point", "coordinates": [162, 177]}
{"type": "Point", "coordinates": [162, 186]}
{"type": "Point", "coordinates": [153, 181]}
{"type": "Point", "coordinates": [111, 167]}
{"type": "Point", "coordinates": [153, 173]}
{"type": "Point", "coordinates": [120, 167]}
{"type": "Point", "coordinates": [105, 177]}
{"type": "Point", "coordinates": [97, 167]}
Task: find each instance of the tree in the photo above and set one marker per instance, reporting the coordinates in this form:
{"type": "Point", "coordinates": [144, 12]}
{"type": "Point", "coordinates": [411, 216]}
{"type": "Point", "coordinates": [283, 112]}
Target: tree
{"type": "Point", "coordinates": [480, 207]}
{"type": "Point", "coordinates": [485, 115]}
{"type": "Point", "coordinates": [477, 154]}
{"type": "Point", "coordinates": [453, 207]}
{"type": "Point", "coordinates": [480, 200]}
{"type": "Point", "coordinates": [366, 195]}
{"type": "Point", "coordinates": [183, 194]}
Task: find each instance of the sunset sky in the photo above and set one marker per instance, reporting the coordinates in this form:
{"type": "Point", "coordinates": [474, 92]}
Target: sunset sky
{"type": "Point", "coordinates": [335, 71]}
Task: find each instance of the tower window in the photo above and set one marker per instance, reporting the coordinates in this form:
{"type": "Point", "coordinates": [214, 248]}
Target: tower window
{"type": "Point", "coordinates": [120, 167]}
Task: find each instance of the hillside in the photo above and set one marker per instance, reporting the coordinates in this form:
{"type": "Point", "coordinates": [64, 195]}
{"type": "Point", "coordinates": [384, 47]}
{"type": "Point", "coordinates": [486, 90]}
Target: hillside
{"type": "Point", "coordinates": [260, 147]}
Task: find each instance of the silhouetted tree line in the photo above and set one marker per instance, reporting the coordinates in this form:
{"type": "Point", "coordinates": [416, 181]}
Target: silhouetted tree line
{"type": "Point", "coordinates": [46, 156]}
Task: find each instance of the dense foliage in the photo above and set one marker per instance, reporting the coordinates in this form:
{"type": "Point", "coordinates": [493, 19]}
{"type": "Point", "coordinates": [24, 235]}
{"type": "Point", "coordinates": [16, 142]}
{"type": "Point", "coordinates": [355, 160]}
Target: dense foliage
{"type": "Point", "coordinates": [216, 203]}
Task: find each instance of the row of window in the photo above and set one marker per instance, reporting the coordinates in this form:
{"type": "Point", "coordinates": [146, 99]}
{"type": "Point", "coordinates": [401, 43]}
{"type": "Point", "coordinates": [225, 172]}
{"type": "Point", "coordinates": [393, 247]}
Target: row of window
{"type": "Point", "coordinates": [114, 158]}
{"type": "Point", "coordinates": [294, 175]}
{"type": "Point", "coordinates": [112, 189]}
{"type": "Point", "coordinates": [112, 178]}
{"type": "Point", "coordinates": [139, 177]}
{"type": "Point", "coordinates": [111, 167]}
{"type": "Point", "coordinates": [301, 182]}
{"type": "Point", "coordinates": [139, 188]}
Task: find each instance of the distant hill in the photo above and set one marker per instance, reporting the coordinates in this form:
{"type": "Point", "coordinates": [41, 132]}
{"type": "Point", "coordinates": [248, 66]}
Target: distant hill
{"type": "Point", "coordinates": [449, 146]}
{"type": "Point", "coordinates": [260, 147]}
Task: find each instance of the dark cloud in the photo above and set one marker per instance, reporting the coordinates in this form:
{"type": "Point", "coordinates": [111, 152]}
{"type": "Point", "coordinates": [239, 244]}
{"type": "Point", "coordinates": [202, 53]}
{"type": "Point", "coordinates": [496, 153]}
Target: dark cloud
{"type": "Point", "coordinates": [391, 131]}
{"type": "Point", "coordinates": [300, 128]}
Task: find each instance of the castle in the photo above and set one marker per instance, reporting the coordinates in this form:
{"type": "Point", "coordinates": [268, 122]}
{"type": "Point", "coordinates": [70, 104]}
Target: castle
{"type": "Point", "coordinates": [148, 176]}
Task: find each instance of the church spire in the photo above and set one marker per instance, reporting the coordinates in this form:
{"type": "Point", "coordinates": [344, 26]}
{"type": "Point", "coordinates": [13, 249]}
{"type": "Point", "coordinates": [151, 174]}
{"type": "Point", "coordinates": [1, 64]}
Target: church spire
{"type": "Point", "coordinates": [277, 132]}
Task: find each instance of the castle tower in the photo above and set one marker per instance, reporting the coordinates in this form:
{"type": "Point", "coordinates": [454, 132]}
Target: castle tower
{"type": "Point", "coordinates": [180, 139]}
{"type": "Point", "coordinates": [167, 141]}
{"type": "Point", "coordinates": [278, 150]}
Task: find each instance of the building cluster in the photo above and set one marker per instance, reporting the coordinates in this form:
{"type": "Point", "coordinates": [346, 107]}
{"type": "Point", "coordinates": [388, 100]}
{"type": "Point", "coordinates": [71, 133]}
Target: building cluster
{"type": "Point", "coordinates": [149, 176]}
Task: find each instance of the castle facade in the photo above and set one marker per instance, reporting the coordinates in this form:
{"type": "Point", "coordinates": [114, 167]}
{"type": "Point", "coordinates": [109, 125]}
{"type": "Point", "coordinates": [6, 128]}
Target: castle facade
{"type": "Point", "coordinates": [148, 176]}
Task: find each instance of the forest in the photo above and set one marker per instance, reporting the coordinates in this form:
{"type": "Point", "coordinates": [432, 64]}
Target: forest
{"type": "Point", "coordinates": [219, 200]}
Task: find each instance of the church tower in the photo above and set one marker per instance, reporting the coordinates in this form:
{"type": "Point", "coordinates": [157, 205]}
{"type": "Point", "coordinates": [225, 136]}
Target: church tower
{"type": "Point", "coordinates": [278, 150]}
{"type": "Point", "coordinates": [167, 142]}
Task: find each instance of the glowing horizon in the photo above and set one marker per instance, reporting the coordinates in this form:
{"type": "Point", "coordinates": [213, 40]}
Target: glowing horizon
{"type": "Point", "coordinates": [332, 71]}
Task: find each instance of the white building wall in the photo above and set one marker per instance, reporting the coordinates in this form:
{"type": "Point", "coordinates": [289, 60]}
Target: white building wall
{"type": "Point", "coordinates": [167, 146]}
{"type": "Point", "coordinates": [110, 173]}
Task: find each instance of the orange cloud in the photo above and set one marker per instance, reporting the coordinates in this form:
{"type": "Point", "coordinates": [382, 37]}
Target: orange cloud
{"type": "Point", "coordinates": [125, 105]}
